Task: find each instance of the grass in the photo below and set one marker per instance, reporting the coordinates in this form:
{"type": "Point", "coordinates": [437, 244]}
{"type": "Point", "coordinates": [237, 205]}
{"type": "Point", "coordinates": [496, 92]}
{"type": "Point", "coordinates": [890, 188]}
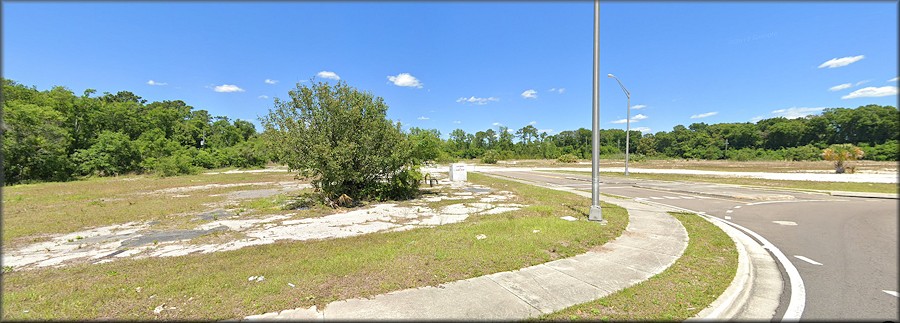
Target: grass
{"type": "Point", "coordinates": [32, 211]}
{"type": "Point", "coordinates": [693, 282]}
{"type": "Point", "coordinates": [215, 286]}
{"type": "Point", "coordinates": [769, 183]}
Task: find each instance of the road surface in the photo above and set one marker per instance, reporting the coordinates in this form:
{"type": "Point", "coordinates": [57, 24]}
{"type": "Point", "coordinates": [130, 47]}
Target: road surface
{"type": "Point", "coordinates": [845, 248]}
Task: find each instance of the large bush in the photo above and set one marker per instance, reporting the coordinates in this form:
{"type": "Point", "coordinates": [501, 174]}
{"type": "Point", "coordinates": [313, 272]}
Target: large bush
{"type": "Point", "coordinates": [340, 138]}
{"type": "Point", "coordinates": [113, 154]}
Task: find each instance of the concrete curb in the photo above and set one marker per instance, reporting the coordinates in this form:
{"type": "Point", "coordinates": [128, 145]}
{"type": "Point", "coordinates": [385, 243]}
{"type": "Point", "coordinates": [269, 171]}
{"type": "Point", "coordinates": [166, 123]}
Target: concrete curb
{"type": "Point", "coordinates": [863, 194]}
{"type": "Point", "coordinates": [737, 293]}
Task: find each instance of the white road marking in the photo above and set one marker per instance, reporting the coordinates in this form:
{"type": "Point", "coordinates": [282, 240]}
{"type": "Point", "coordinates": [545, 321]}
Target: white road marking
{"type": "Point", "coordinates": [671, 197]}
{"type": "Point", "coordinates": [656, 198]}
{"type": "Point", "coordinates": [640, 199]}
{"type": "Point", "coordinates": [727, 217]}
{"type": "Point", "coordinates": [793, 201]}
{"type": "Point", "coordinates": [785, 222]}
{"type": "Point", "coordinates": [729, 211]}
{"type": "Point", "coordinates": [808, 260]}
{"type": "Point", "coordinates": [737, 207]}
{"type": "Point", "coordinates": [797, 301]}
{"type": "Point", "coordinates": [891, 292]}
{"type": "Point", "coordinates": [688, 197]}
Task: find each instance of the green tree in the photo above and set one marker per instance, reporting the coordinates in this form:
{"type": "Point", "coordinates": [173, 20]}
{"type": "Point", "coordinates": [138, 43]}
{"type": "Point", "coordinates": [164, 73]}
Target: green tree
{"type": "Point", "coordinates": [35, 143]}
{"type": "Point", "coordinates": [426, 144]}
{"type": "Point", "coordinates": [113, 154]}
{"type": "Point", "coordinates": [340, 138]}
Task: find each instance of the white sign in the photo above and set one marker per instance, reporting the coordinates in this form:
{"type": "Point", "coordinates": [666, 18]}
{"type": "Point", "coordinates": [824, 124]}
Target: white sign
{"type": "Point", "coordinates": [458, 172]}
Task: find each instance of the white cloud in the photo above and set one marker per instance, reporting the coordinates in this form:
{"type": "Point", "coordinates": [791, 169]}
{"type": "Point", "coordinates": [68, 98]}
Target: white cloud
{"type": "Point", "coordinates": [509, 131]}
{"type": "Point", "coordinates": [892, 80]}
{"type": "Point", "coordinates": [795, 112]}
{"type": "Point", "coordinates": [548, 131]}
{"type": "Point", "coordinates": [497, 124]}
{"type": "Point", "coordinates": [872, 92]}
{"type": "Point", "coordinates": [636, 118]}
{"type": "Point", "coordinates": [478, 101]}
{"type": "Point", "coordinates": [638, 107]}
{"type": "Point", "coordinates": [328, 75]}
{"type": "Point", "coordinates": [843, 61]}
{"type": "Point", "coordinates": [529, 94]}
{"type": "Point", "coordinates": [756, 118]}
{"type": "Point", "coordinates": [457, 122]}
{"type": "Point", "coordinates": [227, 88]}
{"type": "Point", "coordinates": [152, 82]}
{"type": "Point", "coordinates": [263, 97]}
{"type": "Point", "coordinates": [532, 123]}
{"type": "Point", "coordinates": [641, 129]}
{"type": "Point", "coordinates": [423, 118]}
{"type": "Point", "coordinates": [840, 87]}
{"type": "Point", "coordinates": [559, 90]}
{"type": "Point", "coordinates": [405, 80]}
{"type": "Point", "coordinates": [862, 82]}
{"type": "Point", "coordinates": [704, 115]}
{"type": "Point", "coordinates": [270, 81]}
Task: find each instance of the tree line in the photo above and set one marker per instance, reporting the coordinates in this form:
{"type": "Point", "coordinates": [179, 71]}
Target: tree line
{"type": "Point", "coordinates": [873, 128]}
{"type": "Point", "coordinates": [55, 135]}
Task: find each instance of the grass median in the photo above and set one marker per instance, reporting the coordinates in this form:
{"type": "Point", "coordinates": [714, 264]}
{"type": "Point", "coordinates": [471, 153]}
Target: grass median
{"type": "Point", "coordinates": [769, 183]}
{"type": "Point", "coordinates": [215, 286]}
{"type": "Point", "coordinates": [695, 280]}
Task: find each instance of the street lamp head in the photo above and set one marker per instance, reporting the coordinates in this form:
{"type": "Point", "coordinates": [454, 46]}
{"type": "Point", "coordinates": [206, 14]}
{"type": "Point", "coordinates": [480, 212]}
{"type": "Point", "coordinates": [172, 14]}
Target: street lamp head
{"type": "Point", "coordinates": [610, 75]}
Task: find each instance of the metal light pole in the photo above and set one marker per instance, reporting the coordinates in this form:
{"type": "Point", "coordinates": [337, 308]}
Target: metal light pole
{"type": "Point", "coordinates": [627, 121]}
{"type": "Point", "coordinates": [596, 213]}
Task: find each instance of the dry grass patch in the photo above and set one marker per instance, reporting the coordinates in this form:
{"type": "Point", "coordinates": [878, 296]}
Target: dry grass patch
{"type": "Point", "coordinates": [32, 211]}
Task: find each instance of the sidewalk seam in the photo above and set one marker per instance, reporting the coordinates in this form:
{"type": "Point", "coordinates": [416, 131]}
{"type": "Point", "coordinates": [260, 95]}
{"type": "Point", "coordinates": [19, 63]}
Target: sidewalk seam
{"type": "Point", "coordinates": [511, 292]}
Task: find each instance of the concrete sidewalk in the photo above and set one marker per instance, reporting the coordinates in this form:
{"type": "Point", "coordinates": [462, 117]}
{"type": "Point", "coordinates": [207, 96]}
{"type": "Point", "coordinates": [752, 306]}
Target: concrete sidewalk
{"type": "Point", "coordinates": [652, 241]}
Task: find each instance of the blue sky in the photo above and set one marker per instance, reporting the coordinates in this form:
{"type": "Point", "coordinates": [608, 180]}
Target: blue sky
{"type": "Point", "coordinates": [470, 65]}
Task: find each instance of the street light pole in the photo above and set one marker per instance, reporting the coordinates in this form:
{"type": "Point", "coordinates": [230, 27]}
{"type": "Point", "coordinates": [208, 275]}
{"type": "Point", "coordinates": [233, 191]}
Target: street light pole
{"type": "Point", "coordinates": [627, 120]}
{"type": "Point", "coordinates": [596, 213]}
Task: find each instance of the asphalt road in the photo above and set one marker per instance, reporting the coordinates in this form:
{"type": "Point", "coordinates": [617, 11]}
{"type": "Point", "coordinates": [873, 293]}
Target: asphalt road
{"type": "Point", "coordinates": [845, 248]}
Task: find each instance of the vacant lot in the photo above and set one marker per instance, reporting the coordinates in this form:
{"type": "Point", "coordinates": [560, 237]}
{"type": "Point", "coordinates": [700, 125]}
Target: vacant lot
{"type": "Point", "coordinates": [283, 274]}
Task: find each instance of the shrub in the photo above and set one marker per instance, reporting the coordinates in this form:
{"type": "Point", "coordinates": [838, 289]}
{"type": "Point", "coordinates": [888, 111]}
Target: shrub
{"type": "Point", "coordinates": [840, 154]}
{"type": "Point", "coordinates": [340, 139]}
{"type": "Point", "coordinates": [490, 157]}
{"type": "Point", "coordinates": [567, 158]}
{"type": "Point", "coordinates": [113, 154]}
{"type": "Point", "coordinates": [180, 162]}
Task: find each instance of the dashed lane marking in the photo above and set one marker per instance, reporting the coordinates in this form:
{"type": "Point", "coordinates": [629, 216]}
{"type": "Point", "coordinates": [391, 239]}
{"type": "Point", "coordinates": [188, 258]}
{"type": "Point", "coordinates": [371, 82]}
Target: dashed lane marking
{"type": "Point", "coordinates": [656, 198]}
{"type": "Point", "coordinates": [729, 211]}
{"type": "Point", "coordinates": [727, 217]}
{"type": "Point", "coordinates": [808, 260]}
{"type": "Point", "coordinates": [737, 207]}
{"type": "Point", "coordinates": [891, 292]}
{"type": "Point", "coordinates": [785, 222]}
